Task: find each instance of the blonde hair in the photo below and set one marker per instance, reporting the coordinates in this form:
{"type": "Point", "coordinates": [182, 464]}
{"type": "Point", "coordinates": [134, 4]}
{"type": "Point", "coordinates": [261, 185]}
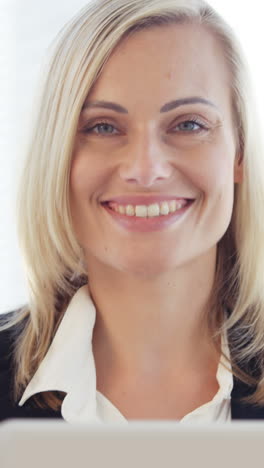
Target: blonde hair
{"type": "Point", "coordinates": [52, 255]}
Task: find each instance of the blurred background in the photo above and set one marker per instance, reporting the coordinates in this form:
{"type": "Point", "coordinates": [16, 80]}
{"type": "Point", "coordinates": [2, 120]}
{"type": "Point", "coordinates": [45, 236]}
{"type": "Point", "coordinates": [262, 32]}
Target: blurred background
{"type": "Point", "coordinates": [27, 28]}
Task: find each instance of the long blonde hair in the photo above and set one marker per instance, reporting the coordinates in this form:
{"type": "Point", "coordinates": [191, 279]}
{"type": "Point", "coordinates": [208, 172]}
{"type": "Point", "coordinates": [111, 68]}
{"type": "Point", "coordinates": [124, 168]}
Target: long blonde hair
{"type": "Point", "coordinates": [52, 255]}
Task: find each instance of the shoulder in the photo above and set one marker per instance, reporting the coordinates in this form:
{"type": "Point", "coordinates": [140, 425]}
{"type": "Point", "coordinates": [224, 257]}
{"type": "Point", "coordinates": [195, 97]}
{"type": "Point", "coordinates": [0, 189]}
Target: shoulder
{"type": "Point", "coordinates": [5, 335]}
{"type": "Point", "coordinates": [240, 408]}
{"type": "Point", "coordinates": [8, 407]}
{"type": "Point", "coordinates": [6, 364]}
{"type": "Point", "coordinates": [8, 338]}
{"type": "Point", "coordinates": [7, 342]}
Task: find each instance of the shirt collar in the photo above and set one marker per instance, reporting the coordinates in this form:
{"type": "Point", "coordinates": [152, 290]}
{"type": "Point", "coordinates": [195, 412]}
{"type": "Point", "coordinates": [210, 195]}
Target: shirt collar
{"type": "Point", "coordinates": [224, 373]}
{"type": "Point", "coordinates": [69, 365]}
{"type": "Point", "coordinates": [72, 344]}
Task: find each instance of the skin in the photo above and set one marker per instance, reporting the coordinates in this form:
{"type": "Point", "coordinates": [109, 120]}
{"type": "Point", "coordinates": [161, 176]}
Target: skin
{"type": "Point", "coordinates": [151, 289]}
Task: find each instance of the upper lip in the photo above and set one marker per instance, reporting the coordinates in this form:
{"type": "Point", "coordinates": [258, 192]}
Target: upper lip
{"type": "Point", "coordinates": [144, 199]}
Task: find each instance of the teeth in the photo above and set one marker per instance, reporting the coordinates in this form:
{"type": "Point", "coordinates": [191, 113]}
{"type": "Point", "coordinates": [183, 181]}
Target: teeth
{"type": "Point", "coordinates": [141, 211]}
{"type": "Point", "coordinates": [164, 208]}
{"type": "Point", "coordinates": [150, 211]}
{"type": "Point", "coordinates": [172, 205]}
{"type": "Point", "coordinates": [153, 210]}
{"type": "Point", "coordinates": [121, 209]}
{"type": "Point", "coordinates": [130, 210]}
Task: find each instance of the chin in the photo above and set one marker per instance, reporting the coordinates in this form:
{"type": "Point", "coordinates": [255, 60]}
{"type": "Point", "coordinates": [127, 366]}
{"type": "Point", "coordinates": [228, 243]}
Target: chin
{"type": "Point", "coordinates": [148, 268]}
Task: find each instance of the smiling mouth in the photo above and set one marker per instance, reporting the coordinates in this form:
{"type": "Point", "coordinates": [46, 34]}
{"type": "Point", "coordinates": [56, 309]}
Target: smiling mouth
{"type": "Point", "coordinates": [153, 210]}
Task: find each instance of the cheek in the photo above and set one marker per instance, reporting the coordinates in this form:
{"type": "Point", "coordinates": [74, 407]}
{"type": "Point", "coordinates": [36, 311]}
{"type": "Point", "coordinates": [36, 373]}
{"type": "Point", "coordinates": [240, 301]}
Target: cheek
{"type": "Point", "coordinates": [217, 184]}
{"type": "Point", "coordinates": [84, 182]}
{"type": "Point", "coordinates": [78, 183]}
{"type": "Point", "coordinates": [86, 176]}
{"type": "Point", "coordinates": [213, 169]}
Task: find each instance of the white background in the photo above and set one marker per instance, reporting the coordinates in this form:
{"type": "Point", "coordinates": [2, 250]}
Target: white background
{"type": "Point", "coordinates": [26, 29]}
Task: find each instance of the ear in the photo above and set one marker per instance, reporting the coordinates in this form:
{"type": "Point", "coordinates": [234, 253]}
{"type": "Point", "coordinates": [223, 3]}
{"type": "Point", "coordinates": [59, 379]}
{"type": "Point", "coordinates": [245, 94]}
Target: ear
{"type": "Point", "coordinates": [238, 169]}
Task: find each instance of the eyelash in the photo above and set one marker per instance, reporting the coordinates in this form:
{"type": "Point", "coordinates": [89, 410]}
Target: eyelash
{"type": "Point", "coordinates": [203, 127]}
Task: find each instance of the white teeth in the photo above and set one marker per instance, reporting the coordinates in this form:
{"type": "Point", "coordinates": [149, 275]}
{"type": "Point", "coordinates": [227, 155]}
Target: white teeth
{"type": "Point", "coordinates": [172, 205]}
{"type": "Point", "coordinates": [121, 209]}
{"type": "Point", "coordinates": [143, 211]}
{"type": "Point", "coordinates": [153, 210]}
{"type": "Point", "coordinates": [130, 210]}
{"type": "Point", "coordinates": [164, 208]}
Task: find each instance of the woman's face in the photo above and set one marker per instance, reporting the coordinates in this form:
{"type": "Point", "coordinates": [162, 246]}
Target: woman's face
{"type": "Point", "coordinates": [156, 134]}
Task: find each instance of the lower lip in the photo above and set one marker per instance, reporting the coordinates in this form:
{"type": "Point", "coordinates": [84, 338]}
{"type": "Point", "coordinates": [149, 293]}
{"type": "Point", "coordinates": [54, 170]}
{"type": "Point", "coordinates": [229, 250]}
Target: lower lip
{"type": "Point", "coordinates": [157, 223]}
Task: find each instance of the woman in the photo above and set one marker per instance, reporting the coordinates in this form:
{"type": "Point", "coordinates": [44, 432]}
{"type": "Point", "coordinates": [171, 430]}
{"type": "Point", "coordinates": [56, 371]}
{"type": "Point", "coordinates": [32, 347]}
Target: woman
{"type": "Point", "coordinates": [140, 220]}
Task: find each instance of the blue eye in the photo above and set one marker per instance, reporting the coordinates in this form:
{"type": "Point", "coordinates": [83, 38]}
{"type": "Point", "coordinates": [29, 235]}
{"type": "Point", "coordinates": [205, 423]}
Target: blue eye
{"type": "Point", "coordinates": [107, 129]}
{"type": "Point", "coordinates": [103, 128]}
{"type": "Point", "coordinates": [190, 126]}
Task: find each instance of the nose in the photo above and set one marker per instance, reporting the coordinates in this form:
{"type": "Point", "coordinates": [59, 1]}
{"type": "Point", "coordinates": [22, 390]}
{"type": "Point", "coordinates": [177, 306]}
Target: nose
{"type": "Point", "coordinates": [145, 162]}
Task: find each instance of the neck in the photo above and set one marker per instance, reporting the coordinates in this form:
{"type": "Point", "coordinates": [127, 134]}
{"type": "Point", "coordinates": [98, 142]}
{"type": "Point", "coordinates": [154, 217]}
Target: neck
{"type": "Point", "coordinates": [144, 322]}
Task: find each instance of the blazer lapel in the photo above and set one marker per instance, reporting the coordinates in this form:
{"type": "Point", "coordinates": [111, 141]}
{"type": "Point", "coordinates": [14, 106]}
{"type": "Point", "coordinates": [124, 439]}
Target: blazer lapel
{"type": "Point", "coordinates": [241, 410]}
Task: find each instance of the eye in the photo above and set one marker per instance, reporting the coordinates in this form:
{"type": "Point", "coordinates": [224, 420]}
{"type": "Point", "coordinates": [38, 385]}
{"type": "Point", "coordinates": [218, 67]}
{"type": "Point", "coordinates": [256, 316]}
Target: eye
{"type": "Point", "coordinates": [192, 126]}
{"type": "Point", "coordinates": [101, 128]}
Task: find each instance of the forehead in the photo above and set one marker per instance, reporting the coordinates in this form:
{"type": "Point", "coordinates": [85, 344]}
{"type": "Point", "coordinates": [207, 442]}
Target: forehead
{"type": "Point", "coordinates": [160, 63]}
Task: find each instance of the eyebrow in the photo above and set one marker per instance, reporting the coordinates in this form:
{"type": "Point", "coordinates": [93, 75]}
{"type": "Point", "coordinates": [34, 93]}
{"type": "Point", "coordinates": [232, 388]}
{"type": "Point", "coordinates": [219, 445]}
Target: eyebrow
{"type": "Point", "coordinates": [165, 108]}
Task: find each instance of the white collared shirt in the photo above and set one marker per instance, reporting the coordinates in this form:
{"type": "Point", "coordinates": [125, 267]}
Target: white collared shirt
{"type": "Point", "coordinates": [69, 367]}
